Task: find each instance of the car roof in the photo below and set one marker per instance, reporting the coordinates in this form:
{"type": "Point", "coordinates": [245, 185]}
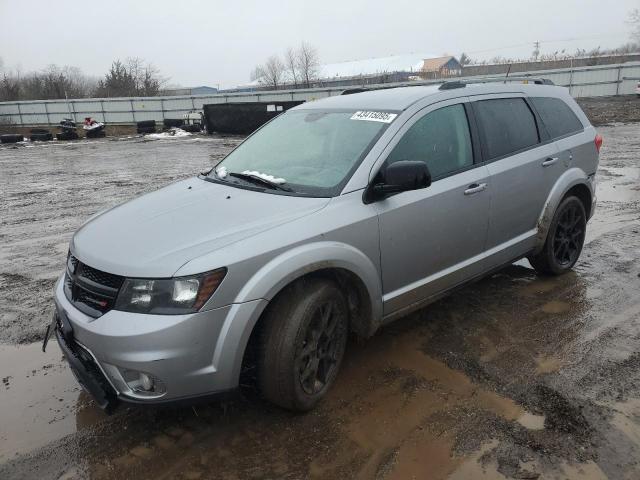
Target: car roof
{"type": "Point", "coordinates": [401, 98]}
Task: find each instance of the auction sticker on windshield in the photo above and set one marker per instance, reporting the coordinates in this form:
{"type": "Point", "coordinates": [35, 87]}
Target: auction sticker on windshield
{"type": "Point", "coordinates": [383, 117]}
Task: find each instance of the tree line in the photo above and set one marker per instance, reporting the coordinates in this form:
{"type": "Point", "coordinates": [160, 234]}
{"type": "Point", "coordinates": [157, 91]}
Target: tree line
{"type": "Point", "coordinates": [129, 78]}
{"type": "Point", "coordinates": [297, 68]}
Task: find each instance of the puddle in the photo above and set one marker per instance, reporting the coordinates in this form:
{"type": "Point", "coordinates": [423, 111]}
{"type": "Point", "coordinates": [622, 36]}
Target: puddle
{"type": "Point", "coordinates": [40, 399]}
{"type": "Point", "coordinates": [473, 469]}
{"type": "Point", "coordinates": [531, 421]}
{"type": "Point", "coordinates": [556, 306]}
{"type": "Point", "coordinates": [584, 471]}
{"type": "Point", "coordinates": [548, 365]}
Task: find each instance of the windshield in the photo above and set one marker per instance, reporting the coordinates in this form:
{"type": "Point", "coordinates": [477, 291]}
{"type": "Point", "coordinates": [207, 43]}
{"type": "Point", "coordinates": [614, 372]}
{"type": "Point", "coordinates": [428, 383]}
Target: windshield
{"type": "Point", "coordinates": [308, 152]}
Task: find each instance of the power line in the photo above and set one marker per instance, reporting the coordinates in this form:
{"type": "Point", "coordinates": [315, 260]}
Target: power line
{"type": "Point", "coordinates": [539, 42]}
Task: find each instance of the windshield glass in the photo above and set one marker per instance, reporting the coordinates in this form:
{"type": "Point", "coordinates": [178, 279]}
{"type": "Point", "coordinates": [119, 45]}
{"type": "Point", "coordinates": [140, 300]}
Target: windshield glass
{"type": "Point", "coordinates": [308, 152]}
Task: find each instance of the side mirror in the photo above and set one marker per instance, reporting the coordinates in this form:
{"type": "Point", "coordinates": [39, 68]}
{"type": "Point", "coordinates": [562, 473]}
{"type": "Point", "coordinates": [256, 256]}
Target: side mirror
{"type": "Point", "coordinates": [399, 177]}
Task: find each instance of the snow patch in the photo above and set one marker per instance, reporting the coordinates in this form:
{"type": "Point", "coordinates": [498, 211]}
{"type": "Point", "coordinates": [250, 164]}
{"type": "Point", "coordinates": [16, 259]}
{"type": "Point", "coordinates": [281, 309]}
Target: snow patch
{"type": "Point", "coordinates": [265, 176]}
{"type": "Point", "coordinates": [171, 133]}
{"type": "Point", "coordinates": [221, 171]}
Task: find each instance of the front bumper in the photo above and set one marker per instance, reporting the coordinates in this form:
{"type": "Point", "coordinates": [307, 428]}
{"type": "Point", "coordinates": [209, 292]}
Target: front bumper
{"type": "Point", "coordinates": [194, 355]}
{"type": "Point", "coordinates": [83, 365]}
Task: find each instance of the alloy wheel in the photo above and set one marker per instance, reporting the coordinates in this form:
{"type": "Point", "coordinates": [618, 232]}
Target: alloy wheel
{"type": "Point", "coordinates": [569, 236]}
{"type": "Point", "coordinates": [319, 354]}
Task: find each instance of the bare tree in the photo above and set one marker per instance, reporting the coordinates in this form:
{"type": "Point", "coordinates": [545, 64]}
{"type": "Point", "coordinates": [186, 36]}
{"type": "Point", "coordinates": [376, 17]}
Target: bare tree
{"type": "Point", "coordinates": [634, 21]}
{"type": "Point", "coordinates": [291, 61]}
{"type": "Point", "coordinates": [308, 63]}
{"type": "Point", "coordinates": [255, 73]}
{"type": "Point", "coordinates": [271, 73]}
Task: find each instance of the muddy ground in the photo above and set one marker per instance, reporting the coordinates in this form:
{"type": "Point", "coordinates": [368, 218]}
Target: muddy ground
{"type": "Point", "coordinates": [515, 376]}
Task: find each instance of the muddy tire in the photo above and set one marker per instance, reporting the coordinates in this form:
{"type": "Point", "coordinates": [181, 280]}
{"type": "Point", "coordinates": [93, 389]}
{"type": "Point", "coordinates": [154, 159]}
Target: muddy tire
{"type": "Point", "coordinates": [565, 239]}
{"type": "Point", "coordinates": [302, 344]}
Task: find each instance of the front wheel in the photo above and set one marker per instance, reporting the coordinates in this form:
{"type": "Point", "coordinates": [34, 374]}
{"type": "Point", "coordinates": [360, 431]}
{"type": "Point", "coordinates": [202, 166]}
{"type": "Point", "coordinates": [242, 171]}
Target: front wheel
{"type": "Point", "coordinates": [302, 344]}
{"type": "Point", "coordinates": [565, 239]}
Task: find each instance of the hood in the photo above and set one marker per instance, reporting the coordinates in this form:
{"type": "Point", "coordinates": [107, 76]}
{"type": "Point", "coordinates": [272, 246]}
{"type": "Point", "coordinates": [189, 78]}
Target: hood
{"type": "Point", "coordinates": [155, 234]}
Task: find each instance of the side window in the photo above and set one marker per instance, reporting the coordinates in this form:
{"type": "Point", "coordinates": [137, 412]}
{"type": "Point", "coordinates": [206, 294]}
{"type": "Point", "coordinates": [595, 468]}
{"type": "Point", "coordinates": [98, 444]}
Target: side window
{"type": "Point", "coordinates": [507, 125]}
{"type": "Point", "coordinates": [440, 139]}
{"type": "Point", "coordinates": [557, 116]}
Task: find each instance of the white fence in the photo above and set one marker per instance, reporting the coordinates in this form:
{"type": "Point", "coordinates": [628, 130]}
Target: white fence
{"type": "Point", "coordinates": [605, 80]}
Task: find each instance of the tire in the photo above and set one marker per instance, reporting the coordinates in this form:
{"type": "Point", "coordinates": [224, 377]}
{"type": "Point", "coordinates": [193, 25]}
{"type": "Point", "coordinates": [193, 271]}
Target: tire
{"type": "Point", "coordinates": [172, 122]}
{"type": "Point", "coordinates": [191, 128]}
{"type": "Point", "coordinates": [302, 343]}
{"type": "Point", "coordinates": [67, 135]}
{"type": "Point", "coordinates": [39, 130]}
{"type": "Point", "coordinates": [565, 239]}
{"type": "Point", "coordinates": [144, 130]}
{"type": "Point", "coordinates": [11, 138]}
{"type": "Point", "coordinates": [146, 124]}
{"type": "Point", "coordinates": [95, 133]}
{"type": "Point", "coordinates": [41, 137]}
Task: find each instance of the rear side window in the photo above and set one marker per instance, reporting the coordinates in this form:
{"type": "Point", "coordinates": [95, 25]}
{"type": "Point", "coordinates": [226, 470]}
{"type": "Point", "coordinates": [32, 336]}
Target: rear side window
{"type": "Point", "coordinates": [440, 139]}
{"type": "Point", "coordinates": [507, 126]}
{"type": "Point", "coordinates": [557, 116]}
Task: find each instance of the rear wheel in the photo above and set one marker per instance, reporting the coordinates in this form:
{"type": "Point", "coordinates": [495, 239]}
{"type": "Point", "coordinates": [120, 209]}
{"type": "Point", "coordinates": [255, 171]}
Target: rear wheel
{"type": "Point", "coordinates": [302, 345]}
{"type": "Point", "coordinates": [565, 239]}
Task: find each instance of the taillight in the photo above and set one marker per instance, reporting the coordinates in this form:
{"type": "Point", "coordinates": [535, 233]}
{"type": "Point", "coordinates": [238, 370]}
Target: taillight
{"type": "Point", "coordinates": [598, 142]}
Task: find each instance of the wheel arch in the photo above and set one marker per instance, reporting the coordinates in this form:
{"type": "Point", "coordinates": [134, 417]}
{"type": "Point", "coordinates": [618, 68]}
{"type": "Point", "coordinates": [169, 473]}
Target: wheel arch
{"type": "Point", "coordinates": [351, 269]}
{"type": "Point", "coordinates": [572, 182]}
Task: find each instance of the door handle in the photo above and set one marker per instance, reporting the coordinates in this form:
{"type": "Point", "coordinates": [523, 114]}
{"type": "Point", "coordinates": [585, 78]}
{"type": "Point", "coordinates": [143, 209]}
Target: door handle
{"type": "Point", "coordinates": [475, 188]}
{"type": "Point", "coordinates": [549, 161]}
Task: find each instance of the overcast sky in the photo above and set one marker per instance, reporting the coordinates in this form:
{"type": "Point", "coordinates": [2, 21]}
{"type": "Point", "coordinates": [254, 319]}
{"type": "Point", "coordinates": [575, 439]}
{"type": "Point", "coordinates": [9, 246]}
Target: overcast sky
{"type": "Point", "coordinates": [219, 42]}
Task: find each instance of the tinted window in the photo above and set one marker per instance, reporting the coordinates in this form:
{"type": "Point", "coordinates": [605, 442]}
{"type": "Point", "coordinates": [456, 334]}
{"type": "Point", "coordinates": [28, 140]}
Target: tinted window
{"type": "Point", "coordinates": [440, 138]}
{"type": "Point", "coordinates": [508, 125]}
{"type": "Point", "coordinates": [557, 117]}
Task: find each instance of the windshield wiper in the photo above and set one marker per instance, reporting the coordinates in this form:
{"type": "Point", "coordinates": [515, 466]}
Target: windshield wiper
{"type": "Point", "coordinates": [260, 180]}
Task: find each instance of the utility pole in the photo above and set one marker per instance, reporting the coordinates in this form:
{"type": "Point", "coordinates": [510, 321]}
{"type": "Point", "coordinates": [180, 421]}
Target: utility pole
{"type": "Point", "coordinates": [536, 50]}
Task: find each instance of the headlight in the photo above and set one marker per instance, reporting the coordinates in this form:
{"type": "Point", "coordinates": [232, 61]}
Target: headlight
{"type": "Point", "coordinates": [170, 296]}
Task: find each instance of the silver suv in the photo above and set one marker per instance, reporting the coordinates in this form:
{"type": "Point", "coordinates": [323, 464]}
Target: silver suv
{"type": "Point", "coordinates": [336, 217]}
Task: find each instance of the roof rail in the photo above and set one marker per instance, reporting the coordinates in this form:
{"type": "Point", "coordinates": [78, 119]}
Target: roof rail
{"type": "Point", "coordinates": [524, 79]}
{"type": "Point", "coordinates": [452, 84]}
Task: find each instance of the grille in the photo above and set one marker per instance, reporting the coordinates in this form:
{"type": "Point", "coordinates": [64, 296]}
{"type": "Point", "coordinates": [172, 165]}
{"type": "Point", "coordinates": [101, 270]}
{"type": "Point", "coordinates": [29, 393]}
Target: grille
{"type": "Point", "coordinates": [92, 291]}
{"type": "Point", "coordinates": [103, 278]}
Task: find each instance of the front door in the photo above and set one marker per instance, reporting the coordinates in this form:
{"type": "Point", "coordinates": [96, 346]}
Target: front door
{"type": "Point", "coordinates": [429, 237]}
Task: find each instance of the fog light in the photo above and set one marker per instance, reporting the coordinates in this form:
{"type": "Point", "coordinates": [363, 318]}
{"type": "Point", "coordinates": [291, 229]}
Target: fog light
{"type": "Point", "coordinates": [143, 383]}
{"type": "Point", "coordinates": [146, 382]}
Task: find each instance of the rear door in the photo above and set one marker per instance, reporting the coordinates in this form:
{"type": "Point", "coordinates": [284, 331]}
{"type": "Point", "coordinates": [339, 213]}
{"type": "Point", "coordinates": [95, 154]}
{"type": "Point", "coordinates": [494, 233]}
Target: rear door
{"type": "Point", "coordinates": [428, 236]}
{"type": "Point", "coordinates": [523, 166]}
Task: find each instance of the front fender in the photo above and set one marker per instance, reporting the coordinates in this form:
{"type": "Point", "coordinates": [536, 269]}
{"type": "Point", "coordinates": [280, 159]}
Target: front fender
{"type": "Point", "coordinates": [299, 261]}
{"type": "Point", "coordinates": [569, 179]}
{"type": "Point", "coordinates": [265, 284]}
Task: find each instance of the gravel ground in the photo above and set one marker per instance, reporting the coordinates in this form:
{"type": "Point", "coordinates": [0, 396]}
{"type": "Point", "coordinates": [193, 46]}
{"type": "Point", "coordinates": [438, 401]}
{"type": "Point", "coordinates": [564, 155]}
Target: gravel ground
{"type": "Point", "coordinates": [515, 376]}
